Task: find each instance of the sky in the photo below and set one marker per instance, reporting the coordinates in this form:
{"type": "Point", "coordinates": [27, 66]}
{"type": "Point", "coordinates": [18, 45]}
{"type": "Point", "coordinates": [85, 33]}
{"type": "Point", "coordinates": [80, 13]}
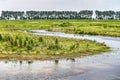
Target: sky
{"type": "Point", "coordinates": [59, 5]}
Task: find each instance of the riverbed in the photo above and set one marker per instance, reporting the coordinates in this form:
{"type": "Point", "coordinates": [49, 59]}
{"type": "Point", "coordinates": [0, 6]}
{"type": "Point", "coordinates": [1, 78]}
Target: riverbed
{"type": "Point", "coordinates": [104, 66]}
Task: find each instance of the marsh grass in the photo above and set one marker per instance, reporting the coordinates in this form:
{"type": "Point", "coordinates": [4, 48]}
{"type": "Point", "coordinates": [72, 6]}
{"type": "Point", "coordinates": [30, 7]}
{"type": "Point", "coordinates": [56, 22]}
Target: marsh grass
{"type": "Point", "coordinates": [91, 27]}
{"type": "Point", "coordinates": [16, 44]}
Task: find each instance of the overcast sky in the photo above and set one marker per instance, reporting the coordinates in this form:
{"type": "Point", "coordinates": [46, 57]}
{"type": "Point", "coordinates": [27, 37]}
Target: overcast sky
{"type": "Point", "coordinates": [74, 5]}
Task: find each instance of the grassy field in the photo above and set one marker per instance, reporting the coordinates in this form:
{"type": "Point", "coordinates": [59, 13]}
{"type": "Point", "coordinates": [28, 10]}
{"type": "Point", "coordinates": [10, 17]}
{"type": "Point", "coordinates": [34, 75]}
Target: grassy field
{"type": "Point", "coordinates": [18, 45]}
{"type": "Point", "coordinates": [90, 27]}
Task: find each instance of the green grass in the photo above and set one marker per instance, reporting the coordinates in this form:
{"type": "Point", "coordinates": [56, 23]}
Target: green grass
{"type": "Point", "coordinates": [90, 27]}
{"type": "Point", "coordinates": [18, 45]}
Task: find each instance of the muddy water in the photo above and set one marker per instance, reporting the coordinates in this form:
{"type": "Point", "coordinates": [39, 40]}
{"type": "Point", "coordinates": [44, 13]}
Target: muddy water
{"type": "Point", "coordinates": [104, 66]}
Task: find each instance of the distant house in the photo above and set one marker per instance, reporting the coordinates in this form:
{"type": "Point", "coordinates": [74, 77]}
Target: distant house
{"type": "Point", "coordinates": [11, 18]}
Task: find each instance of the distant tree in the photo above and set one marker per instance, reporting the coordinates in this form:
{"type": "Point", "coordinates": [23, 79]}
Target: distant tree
{"type": "Point", "coordinates": [105, 15]}
{"type": "Point", "coordinates": [85, 14]}
{"type": "Point", "coordinates": [13, 15]}
{"type": "Point", "coordinates": [108, 15]}
{"type": "Point", "coordinates": [117, 16]}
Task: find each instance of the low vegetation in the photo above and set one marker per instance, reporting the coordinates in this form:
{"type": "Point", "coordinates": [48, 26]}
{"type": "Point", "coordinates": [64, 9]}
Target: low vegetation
{"type": "Point", "coordinates": [15, 44]}
{"type": "Point", "coordinates": [90, 27]}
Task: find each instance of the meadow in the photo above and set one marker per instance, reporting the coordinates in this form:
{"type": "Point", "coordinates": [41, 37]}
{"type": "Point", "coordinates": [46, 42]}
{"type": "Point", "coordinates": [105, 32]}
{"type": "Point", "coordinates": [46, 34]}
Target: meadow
{"type": "Point", "coordinates": [15, 44]}
{"type": "Point", "coordinates": [90, 27]}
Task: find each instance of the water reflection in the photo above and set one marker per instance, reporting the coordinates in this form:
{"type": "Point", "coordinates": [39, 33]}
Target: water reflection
{"type": "Point", "coordinates": [5, 62]}
{"type": "Point", "coordinates": [56, 62]}
{"type": "Point", "coordinates": [17, 61]}
{"type": "Point", "coordinates": [71, 59]}
{"type": "Point", "coordinates": [29, 62]}
{"type": "Point", "coordinates": [97, 67]}
{"type": "Point", "coordinates": [20, 61]}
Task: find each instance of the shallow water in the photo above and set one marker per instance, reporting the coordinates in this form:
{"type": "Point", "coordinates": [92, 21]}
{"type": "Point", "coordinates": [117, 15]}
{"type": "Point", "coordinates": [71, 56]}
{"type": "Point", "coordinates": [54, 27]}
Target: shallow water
{"type": "Point", "coordinates": [104, 66]}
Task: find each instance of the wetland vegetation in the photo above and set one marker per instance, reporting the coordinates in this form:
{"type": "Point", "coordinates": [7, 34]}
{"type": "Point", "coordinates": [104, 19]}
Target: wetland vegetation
{"type": "Point", "coordinates": [15, 44]}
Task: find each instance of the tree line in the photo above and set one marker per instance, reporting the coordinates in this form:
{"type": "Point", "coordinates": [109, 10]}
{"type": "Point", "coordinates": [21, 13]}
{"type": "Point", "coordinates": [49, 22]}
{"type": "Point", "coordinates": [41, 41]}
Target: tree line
{"type": "Point", "coordinates": [83, 14]}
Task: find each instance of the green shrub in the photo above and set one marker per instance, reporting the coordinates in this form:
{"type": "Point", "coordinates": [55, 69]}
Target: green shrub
{"type": "Point", "coordinates": [40, 39]}
{"type": "Point", "coordinates": [0, 37]}
{"type": "Point", "coordinates": [29, 47]}
{"type": "Point", "coordinates": [56, 41]}
{"type": "Point", "coordinates": [65, 24]}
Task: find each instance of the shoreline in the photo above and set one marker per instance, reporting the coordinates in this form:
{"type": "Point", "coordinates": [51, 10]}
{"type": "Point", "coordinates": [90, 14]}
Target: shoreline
{"type": "Point", "coordinates": [46, 57]}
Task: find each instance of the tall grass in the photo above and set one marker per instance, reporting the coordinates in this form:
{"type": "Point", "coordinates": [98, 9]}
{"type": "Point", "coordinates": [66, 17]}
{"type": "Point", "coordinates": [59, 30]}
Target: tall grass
{"type": "Point", "coordinates": [12, 41]}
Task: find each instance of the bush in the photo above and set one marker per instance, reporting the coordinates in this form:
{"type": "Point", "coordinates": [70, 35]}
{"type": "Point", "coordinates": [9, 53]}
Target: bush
{"type": "Point", "coordinates": [40, 39]}
{"type": "Point", "coordinates": [56, 41]}
{"type": "Point", "coordinates": [65, 24]}
{"type": "Point", "coordinates": [54, 46]}
{"type": "Point", "coordinates": [29, 47]}
{"type": "Point", "coordinates": [0, 37]}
